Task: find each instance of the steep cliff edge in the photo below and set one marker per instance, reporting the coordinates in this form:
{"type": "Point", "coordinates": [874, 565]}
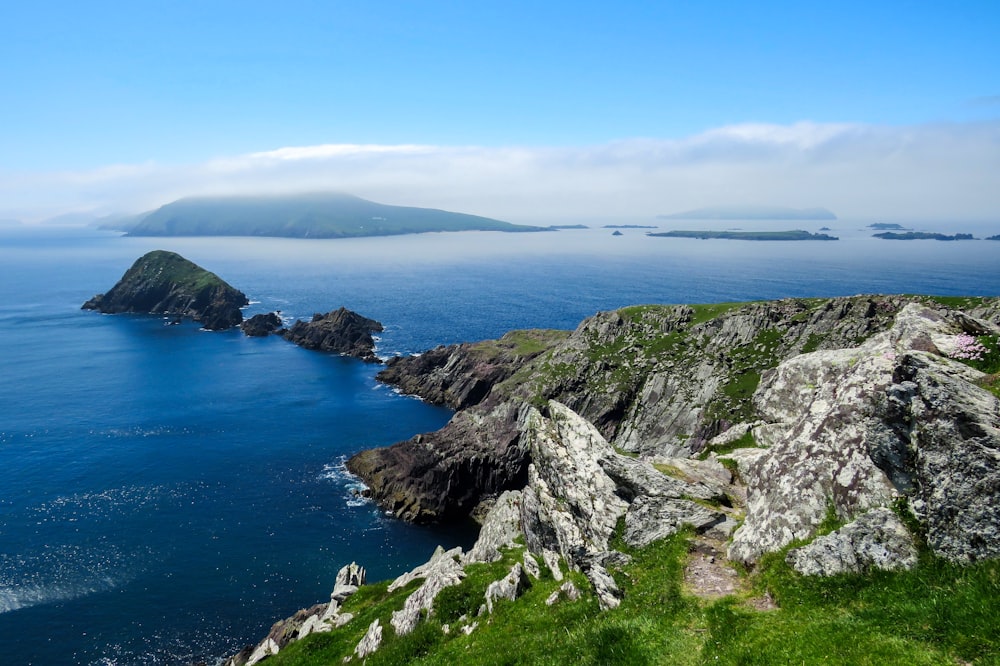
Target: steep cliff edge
{"type": "Point", "coordinates": [654, 380]}
{"type": "Point", "coordinates": [162, 282]}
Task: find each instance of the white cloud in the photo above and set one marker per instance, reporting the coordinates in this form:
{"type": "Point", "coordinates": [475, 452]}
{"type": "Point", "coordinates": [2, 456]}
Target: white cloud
{"type": "Point", "coordinates": [947, 172]}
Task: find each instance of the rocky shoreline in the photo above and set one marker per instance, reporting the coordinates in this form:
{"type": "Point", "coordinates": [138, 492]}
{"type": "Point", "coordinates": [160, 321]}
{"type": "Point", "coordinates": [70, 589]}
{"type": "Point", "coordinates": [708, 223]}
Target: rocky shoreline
{"type": "Point", "coordinates": [752, 424]}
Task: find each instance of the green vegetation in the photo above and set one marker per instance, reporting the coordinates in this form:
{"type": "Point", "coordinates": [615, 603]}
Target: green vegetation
{"type": "Point", "coordinates": [921, 235]}
{"type": "Point", "coordinates": [746, 440]}
{"type": "Point", "coordinates": [304, 216]}
{"type": "Point", "coordinates": [939, 613]}
{"type": "Point", "coordinates": [958, 302]}
{"type": "Point", "coordinates": [794, 235]}
{"type": "Point", "coordinates": [169, 268]}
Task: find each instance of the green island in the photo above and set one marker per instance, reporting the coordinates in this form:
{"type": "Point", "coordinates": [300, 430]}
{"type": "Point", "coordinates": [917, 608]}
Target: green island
{"type": "Point", "coordinates": [922, 235]}
{"type": "Point", "coordinates": [794, 235]}
{"type": "Point", "coordinates": [317, 215]}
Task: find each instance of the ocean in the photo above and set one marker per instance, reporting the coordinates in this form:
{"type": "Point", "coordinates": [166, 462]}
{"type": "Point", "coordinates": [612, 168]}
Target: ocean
{"type": "Point", "coordinates": [167, 493]}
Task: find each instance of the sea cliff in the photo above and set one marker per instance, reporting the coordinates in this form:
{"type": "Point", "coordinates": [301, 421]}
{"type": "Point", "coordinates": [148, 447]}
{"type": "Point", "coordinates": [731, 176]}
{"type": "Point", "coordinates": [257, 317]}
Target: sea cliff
{"type": "Point", "coordinates": [805, 438]}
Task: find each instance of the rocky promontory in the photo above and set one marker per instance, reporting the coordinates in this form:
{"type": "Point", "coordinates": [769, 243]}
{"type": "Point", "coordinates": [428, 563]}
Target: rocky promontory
{"type": "Point", "coordinates": [162, 282]}
{"type": "Point", "coordinates": [340, 331]}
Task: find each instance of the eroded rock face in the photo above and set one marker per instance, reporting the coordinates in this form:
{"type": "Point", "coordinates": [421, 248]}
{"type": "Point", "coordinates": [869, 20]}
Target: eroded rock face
{"type": "Point", "coordinates": [166, 283]}
{"type": "Point", "coordinates": [340, 331]}
{"type": "Point", "coordinates": [441, 571]}
{"type": "Point", "coordinates": [850, 430]}
{"type": "Point", "coordinates": [500, 528]}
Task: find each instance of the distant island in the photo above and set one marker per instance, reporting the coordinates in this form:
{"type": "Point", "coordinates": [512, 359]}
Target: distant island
{"type": "Point", "coordinates": [751, 213]}
{"type": "Point", "coordinates": [997, 237]}
{"type": "Point", "coordinates": [922, 235]}
{"type": "Point", "coordinates": [567, 226]}
{"type": "Point", "coordinates": [887, 226]}
{"type": "Point", "coordinates": [318, 215]}
{"type": "Point", "coordinates": [795, 235]}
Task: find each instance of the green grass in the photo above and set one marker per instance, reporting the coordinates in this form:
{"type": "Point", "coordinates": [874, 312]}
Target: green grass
{"type": "Point", "coordinates": [939, 613]}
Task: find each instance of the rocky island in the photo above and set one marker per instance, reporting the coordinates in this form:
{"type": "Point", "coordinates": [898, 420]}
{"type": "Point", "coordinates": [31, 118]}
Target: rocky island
{"type": "Point", "coordinates": [620, 470]}
{"type": "Point", "coordinates": [166, 283]}
{"type": "Point", "coordinates": [794, 235]}
{"type": "Point", "coordinates": [340, 331]}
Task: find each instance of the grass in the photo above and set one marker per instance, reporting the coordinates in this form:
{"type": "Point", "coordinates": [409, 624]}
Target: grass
{"type": "Point", "coordinates": [939, 613]}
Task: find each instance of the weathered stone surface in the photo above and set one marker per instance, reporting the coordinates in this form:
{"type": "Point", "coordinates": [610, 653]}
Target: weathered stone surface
{"type": "Point", "coordinates": [500, 527]}
{"type": "Point", "coordinates": [460, 376]}
{"type": "Point", "coordinates": [162, 282]}
{"type": "Point", "coordinates": [552, 562]}
{"type": "Point", "coordinates": [510, 587]}
{"type": "Point", "coordinates": [340, 331]}
{"type": "Point", "coordinates": [531, 565]}
{"type": "Point", "coordinates": [569, 505]}
{"type": "Point", "coordinates": [650, 519]}
{"type": "Point", "coordinates": [442, 570]}
{"type": "Point", "coordinates": [443, 475]}
{"type": "Point", "coordinates": [876, 540]}
{"type": "Point", "coordinates": [261, 325]}
{"type": "Point", "coordinates": [370, 641]}
{"type": "Point", "coordinates": [567, 591]}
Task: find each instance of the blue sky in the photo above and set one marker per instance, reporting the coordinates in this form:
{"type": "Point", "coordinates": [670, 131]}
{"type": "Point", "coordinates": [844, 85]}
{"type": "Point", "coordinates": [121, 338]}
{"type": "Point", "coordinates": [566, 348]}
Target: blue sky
{"type": "Point", "coordinates": [115, 105]}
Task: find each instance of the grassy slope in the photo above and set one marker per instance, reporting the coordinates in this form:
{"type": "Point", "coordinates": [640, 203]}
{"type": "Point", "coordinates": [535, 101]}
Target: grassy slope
{"type": "Point", "coordinates": [937, 614]}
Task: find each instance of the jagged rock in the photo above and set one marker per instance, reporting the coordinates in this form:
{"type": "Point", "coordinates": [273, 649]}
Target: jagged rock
{"type": "Point", "coordinates": [851, 429]}
{"type": "Point", "coordinates": [569, 505]}
{"type": "Point", "coordinates": [552, 562]}
{"type": "Point", "coordinates": [460, 376]}
{"type": "Point", "coordinates": [531, 566]}
{"type": "Point", "coordinates": [510, 587]}
{"type": "Point", "coordinates": [500, 528]}
{"type": "Point", "coordinates": [937, 437]}
{"type": "Point", "coordinates": [567, 591]}
{"type": "Point", "coordinates": [261, 325]}
{"type": "Point", "coordinates": [876, 540]}
{"type": "Point", "coordinates": [443, 475]}
{"type": "Point", "coordinates": [637, 478]}
{"type": "Point", "coordinates": [649, 519]}
{"type": "Point", "coordinates": [441, 571]}
{"type": "Point", "coordinates": [340, 331]}
{"type": "Point", "coordinates": [162, 282]}
{"type": "Point", "coordinates": [370, 641]}
{"type": "Point", "coordinates": [609, 595]}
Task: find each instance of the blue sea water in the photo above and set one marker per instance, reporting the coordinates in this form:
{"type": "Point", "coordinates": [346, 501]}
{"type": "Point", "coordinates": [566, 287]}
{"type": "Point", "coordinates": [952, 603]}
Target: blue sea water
{"type": "Point", "coordinates": [166, 493]}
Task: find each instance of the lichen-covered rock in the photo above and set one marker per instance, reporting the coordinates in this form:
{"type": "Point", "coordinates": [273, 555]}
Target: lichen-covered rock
{"type": "Point", "coordinates": [442, 570]}
{"type": "Point", "coordinates": [370, 641]}
{"type": "Point", "coordinates": [651, 518]}
{"type": "Point", "coordinates": [340, 331]}
{"type": "Point", "coordinates": [876, 540]}
{"type": "Point", "coordinates": [162, 282]}
{"type": "Point", "coordinates": [510, 587]}
{"type": "Point", "coordinates": [500, 528]}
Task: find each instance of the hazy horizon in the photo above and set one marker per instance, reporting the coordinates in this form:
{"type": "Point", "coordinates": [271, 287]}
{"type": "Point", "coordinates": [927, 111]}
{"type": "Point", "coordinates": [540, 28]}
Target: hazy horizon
{"type": "Point", "coordinates": [528, 114]}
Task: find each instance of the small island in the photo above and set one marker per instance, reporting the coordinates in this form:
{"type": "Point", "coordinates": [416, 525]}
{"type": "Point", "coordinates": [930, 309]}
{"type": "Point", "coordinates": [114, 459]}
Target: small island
{"type": "Point", "coordinates": [794, 235]}
{"type": "Point", "coordinates": [887, 226]}
{"type": "Point", "coordinates": [162, 282]}
{"type": "Point", "coordinates": [921, 235]}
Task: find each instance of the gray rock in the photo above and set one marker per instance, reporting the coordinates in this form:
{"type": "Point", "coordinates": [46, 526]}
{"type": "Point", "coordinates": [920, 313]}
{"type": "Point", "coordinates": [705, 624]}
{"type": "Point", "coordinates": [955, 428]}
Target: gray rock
{"type": "Point", "coordinates": [567, 591]}
{"type": "Point", "coordinates": [531, 566]}
{"type": "Point", "coordinates": [876, 540]}
{"type": "Point", "coordinates": [552, 562]}
{"type": "Point", "coordinates": [510, 587]}
{"type": "Point", "coordinates": [370, 641]}
{"type": "Point", "coordinates": [441, 571]}
{"type": "Point", "coordinates": [649, 519]}
{"type": "Point", "coordinates": [501, 526]}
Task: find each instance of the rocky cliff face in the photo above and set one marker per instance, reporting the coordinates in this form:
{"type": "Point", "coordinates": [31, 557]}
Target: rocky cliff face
{"type": "Point", "coordinates": [162, 282]}
{"type": "Point", "coordinates": [340, 331]}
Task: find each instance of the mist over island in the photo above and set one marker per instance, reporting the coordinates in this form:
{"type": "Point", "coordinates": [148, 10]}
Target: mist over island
{"type": "Point", "coordinates": [314, 215]}
{"type": "Point", "coordinates": [751, 213]}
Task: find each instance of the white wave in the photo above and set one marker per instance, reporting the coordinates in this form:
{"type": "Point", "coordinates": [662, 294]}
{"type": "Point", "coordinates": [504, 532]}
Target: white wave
{"type": "Point", "coordinates": [354, 487]}
{"type": "Point", "coordinates": [26, 596]}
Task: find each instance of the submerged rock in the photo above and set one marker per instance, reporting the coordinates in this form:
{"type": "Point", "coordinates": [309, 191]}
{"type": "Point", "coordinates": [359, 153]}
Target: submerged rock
{"type": "Point", "coordinates": [162, 282]}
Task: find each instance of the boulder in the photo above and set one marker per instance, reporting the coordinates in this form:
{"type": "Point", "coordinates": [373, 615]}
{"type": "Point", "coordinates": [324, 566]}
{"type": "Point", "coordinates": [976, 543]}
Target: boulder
{"type": "Point", "coordinates": [876, 540]}
{"type": "Point", "coordinates": [262, 325]}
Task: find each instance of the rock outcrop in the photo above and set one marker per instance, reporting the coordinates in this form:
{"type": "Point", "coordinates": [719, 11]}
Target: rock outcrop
{"type": "Point", "coordinates": [876, 540]}
{"type": "Point", "coordinates": [340, 331]}
{"type": "Point", "coordinates": [262, 325]}
{"type": "Point", "coordinates": [166, 283]}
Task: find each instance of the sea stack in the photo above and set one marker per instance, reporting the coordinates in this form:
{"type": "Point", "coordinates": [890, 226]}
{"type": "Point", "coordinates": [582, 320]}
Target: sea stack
{"type": "Point", "coordinates": [166, 283]}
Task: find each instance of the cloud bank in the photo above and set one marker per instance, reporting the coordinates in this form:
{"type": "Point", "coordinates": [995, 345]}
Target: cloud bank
{"type": "Point", "coordinates": [940, 172]}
